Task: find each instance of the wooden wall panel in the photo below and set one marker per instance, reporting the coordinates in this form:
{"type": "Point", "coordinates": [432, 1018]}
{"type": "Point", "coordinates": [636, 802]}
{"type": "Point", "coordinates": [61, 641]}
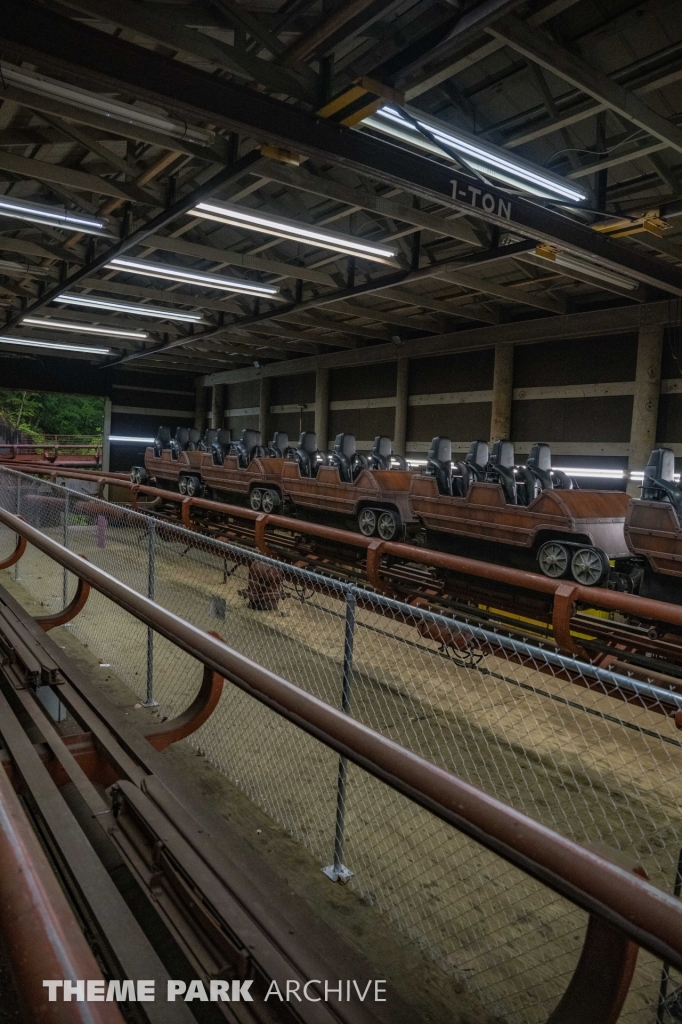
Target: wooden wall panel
{"type": "Point", "coordinates": [669, 428]}
{"type": "Point", "coordinates": [297, 390]}
{"type": "Point", "coordinates": [242, 396]}
{"type": "Point", "coordinates": [291, 423]}
{"type": "Point", "coordinates": [573, 419]}
{"type": "Point", "coordinates": [355, 382]}
{"type": "Point", "coordinates": [587, 361]}
{"type": "Point", "coordinates": [467, 422]}
{"type": "Point", "coordinates": [468, 371]}
{"type": "Point", "coordinates": [364, 423]}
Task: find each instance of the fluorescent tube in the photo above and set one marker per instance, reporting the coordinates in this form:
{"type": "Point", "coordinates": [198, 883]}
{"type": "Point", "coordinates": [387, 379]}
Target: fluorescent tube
{"type": "Point", "coordinates": [33, 343]}
{"type": "Point", "coordinates": [490, 160]}
{"type": "Point", "coordinates": [131, 440]}
{"type": "Point", "coordinates": [54, 216]}
{"type": "Point", "coordinates": [67, 325]}
{"type": "Point", "coordinates": [281, 228]}
{"type": "Point", "coordinates": [186, 276]}
{"type": "Point", "coordinates": [123, 307]}
{"type": "Point", "coordinates": [102, 104]}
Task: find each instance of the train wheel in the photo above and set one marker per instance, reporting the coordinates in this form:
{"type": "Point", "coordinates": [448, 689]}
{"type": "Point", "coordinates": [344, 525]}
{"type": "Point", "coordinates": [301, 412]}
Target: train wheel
{"type": "Point", "coordinates": [256, 499]}
{"type": "Point", "coordinates": [588, 566]}
{"type": "Point", "coordinates": [138, 475]}
{"type": "Point", "coordinates": [193, 486]}
{"type": "Point", "coordinates": [553, 559]}
{"type": "Point", "coordinates": [367, 521]}
{"type": "Point", "coordinates": [270, 501]}
{"type": "Point", "coordinates": [387, 525]}
{"type": "Point", "coordinates": [182, 485]}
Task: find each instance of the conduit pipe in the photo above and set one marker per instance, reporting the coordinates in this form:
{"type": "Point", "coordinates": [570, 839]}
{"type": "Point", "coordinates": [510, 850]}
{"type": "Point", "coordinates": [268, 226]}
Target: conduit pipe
{"type": "Point", "coordinates": [648, 916]}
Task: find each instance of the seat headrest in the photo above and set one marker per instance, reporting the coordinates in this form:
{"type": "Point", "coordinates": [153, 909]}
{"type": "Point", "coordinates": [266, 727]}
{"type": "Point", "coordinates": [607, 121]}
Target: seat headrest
{"type": "Point", "coordinates": [503, 454]}
{"type": "Point", "coordinates": [280, 440]}
{"type": "Point", "coordinates": [308, 442]}
{"type": "Point", "coordinates": [540, 458]}
{"type": "Point", "coordinates": [222, 436]}
{"type": "Point", "coordinates": [478, 453]}
{"type": "Point", "coordinates": [194, 435]}
{"type": "Point", "coordinates": [382, 446]}
{"type": "Point", "coordinates": [250, 439]}
{"type": "Point", "coordinates": [182, 435]}
{"type": "Point", "coordinates": [441, 449]}
{"type": "Point", "coordinates": [345, 444]}
{"type": "Point", "coordinates": [164, 435]}
{"type": "Point", "coordinates": [211, 436]}
{"type": "Point", "coordinates": [661, 465]}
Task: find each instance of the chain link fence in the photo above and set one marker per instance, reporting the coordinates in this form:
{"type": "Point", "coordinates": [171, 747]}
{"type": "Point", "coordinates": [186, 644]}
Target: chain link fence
{"type": "Point", "coordinates": [496, 712]}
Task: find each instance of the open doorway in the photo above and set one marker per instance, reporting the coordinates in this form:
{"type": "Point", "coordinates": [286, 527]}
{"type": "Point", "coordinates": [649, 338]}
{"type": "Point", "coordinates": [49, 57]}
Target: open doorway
{"type": "Point", "coordinates": [38, 417]}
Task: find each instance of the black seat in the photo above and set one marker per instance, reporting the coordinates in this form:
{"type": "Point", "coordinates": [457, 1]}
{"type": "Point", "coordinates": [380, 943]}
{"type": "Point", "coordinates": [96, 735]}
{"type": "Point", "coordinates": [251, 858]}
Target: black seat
{"type": "Point", "coordinates": [345, 456]}
{"type": "Point", "coordinates": [248, 447]}
{"type": "Point", "coordinates": [307, 455]}
{"type": "Point", "coordinates": [278, 445]}
{"type": "Point", "coordinates": [220, 441]}
{"type": "Point", "coordinates": [659, 479]}
{"type": "Point", "coordinates": [473, 467]}
{"type": "Point", "coordinates": [539, 462]}
{"type": "Point", "coordinates": [179, 442]}
{"type": "Point", "coordinates": [439, 463]}
{"type": "Point", "coordinates": [382, 455]}
{"type": "Point", "coordinates": [162, 440]}
{"type": "Point", "coordinates": [209, 439]}
{"type": "Point", "coordinates": [501, 469]}
{"type": "Point", "coordinates": [194, 439]}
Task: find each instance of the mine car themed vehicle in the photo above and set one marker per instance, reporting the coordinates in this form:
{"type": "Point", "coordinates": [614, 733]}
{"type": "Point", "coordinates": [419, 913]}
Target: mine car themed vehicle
{"type": "Point", "coordinates": [349, 488]}
{"type": "Point", "coordinates": [653, 529]}
{"type": "Point", "coordinates": [215, 466]}
{"type": "Point", "coordinates": [530, 516]}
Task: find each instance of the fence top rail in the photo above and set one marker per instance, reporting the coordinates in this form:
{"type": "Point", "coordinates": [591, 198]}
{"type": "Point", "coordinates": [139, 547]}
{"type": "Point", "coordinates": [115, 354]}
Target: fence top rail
{"type": "Point", "coordinates": [649, 916]}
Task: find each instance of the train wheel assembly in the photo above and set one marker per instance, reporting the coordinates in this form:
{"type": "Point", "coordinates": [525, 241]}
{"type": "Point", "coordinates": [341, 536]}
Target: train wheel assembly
{"type": "Point", "coordinates": [270, 501]}
{"type": "Point", "coordinates": [589, 566]}
{"type": "Point", "coordinates": [388, 525]}
{"type": "Point", "coordinates": [182, 485]}
{"type": "Point", "coordinates": [554, 559]}
{"type": "Point", "coordinates": [193, 486]}
{"type": "Point", "coordinates": [138, 475]}
{"type": "Point", "coordinates": [367, 522]}
{"type": "Point", "coordinates": [256, 499]}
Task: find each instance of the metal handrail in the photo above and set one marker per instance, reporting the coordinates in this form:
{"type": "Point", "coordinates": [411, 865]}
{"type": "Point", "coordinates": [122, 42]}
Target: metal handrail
{"type": "Point", "coordinates": [646, 915]}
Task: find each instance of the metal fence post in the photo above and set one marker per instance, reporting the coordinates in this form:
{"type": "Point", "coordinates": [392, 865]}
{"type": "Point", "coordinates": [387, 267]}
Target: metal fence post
{"type": "Point", "coordinates": [18, 503]}
{"type": "Point", "coordinates": [661, 1009]}
{"type": "Point", "coordinates": [65, 575]}
{"type": "Point", "coordinates": [337, 870]}
{"type": "Point", "coordinates": [149, 701]}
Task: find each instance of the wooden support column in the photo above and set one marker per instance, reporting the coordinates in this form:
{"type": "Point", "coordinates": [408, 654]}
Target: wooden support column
{"type": "Point", "coordinates": [503, 383]}
{"type": "Point", "coordinates": [200, 402]}
{"type": "Point", "coordinates": [217, 406]}
{"type": "Point", "coordinates": [645, 401]}
{"type": "Point", "coordinates": [322, 408]}
{"type": "Point", "coordinates": [264, 413]}
{"type": "Point", "coordinates": [401, 396]}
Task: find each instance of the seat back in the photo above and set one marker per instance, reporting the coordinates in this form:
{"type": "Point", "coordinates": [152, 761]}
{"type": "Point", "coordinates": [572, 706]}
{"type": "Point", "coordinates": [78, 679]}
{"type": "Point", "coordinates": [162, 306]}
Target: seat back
{"type": "Point", "coordinates": [381, 453]}
{"type": "Point", "coordinates": [194, 439]}
{"type": "Point", "coordinates": [539, 462]}
{"type": "Point", "coordinates": [343, 456]}
{"type": "Point", "coordinates": [472, 468]}
{"type": "Point", "coordinates": [180, 441]}
{"type": "Point", "coordinates": [278, 445]}
{"type": "Point", "coordinates": [501, 469]}
{"type": "Point", "coordinates": [306, 453]}
{"type": "Point", "coordinates": [220, 444]}
{"type": "Point", "coordinates": [439, 463]}
{"type": "Point", "coordinates": [162, 440]}
{"type": "Point", "coordinates": [249, 447]}
{"type": "Point", "coordinates": [659, 478]}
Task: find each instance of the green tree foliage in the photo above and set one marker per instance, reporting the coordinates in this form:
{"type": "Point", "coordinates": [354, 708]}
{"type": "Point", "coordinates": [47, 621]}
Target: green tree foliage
{"type": "Point", "coordinates": [39, 413]}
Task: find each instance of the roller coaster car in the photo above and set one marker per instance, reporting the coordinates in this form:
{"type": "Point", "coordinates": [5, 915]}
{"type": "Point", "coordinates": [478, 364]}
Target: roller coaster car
{"type": "Point", "coordinates": [653, 530]}
{"type": "Point", "coordinates": [214, 464]}
{"type": "Point", "coordinates": [348, 485]}
{"type": "Point", "coordinates": [526, 516]}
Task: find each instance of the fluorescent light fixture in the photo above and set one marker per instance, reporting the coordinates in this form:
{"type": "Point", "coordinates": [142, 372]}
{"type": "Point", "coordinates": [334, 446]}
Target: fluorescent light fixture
{"type": "Point", "coordinates": [54, 216]}
{"type": "Point", "coordinates": [104, 105]}
{"type": "Point", "coordinates": [186, 276]}
{"type": "Point", "coordinates": [131, 440]}
{"type": "Point", "coordinates": [268, 224]}
{"type": "Point", "coordinates": [67, 325]}
{"type": "Point", "coordinates": [123, 307]}
{"type": "Point", "coordinates": [489, 160]}
{"type": "Point", "coordinates": [605, 474]}
{"type": "Point", "coordinates": [563, 259]}
{"type": "Point", "coordinates": [33, 343]}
